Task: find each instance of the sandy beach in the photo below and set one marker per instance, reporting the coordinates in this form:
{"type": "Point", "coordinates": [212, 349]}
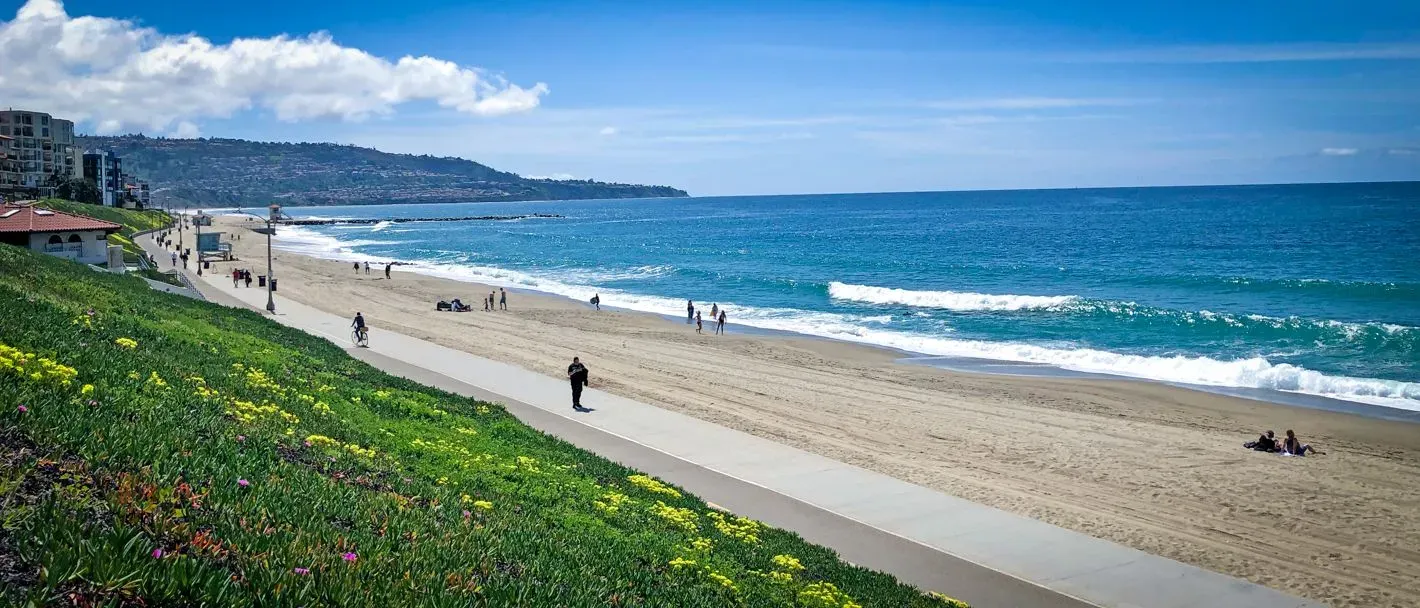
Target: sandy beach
{"type": "Point", "coordinates": [1154, 467]}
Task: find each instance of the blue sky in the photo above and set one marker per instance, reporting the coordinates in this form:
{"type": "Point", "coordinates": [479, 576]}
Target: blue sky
{"type": "Point", "coordinates": [787, 97]}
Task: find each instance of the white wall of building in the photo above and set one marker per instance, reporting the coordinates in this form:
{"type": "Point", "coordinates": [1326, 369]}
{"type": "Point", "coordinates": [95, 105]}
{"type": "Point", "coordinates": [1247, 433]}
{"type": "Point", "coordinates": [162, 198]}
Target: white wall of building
{"type": "Point", "coordinates": [90, 248]}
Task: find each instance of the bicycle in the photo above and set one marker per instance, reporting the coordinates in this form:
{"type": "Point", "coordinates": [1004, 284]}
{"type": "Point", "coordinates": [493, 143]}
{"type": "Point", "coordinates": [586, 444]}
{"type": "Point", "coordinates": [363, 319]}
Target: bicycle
{"type": "Point", "coordinates": [360, 338]}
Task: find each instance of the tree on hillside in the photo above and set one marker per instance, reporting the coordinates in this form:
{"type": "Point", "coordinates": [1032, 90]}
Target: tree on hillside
{"type": "Point", "coordinates": [81, 190]}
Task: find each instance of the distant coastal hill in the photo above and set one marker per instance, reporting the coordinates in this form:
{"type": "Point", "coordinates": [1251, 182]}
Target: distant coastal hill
{"type": "Point", "coordinates": [229, 172]}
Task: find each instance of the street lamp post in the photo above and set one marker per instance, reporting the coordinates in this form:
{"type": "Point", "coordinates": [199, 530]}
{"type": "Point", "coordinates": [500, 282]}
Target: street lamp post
{"type": "Point", "coordinates": [199, 243]}
{"type": "Point", "coordinates": [270, 273]}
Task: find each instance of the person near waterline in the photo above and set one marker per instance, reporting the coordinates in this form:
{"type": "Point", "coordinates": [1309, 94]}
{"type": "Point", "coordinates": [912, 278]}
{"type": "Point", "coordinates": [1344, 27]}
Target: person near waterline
{"type": "Point", "coordinates": [714, 311]}
{"type": "Point", "coordinates": [387, 269]}
{"type": "Point", "coordinates": [367, 268]}
{"type": "Point", "coordinates": [486, 306]}
{"type": "Point", "coordinates": [357, 268]}
{"type": "Point", "coordinates": [698, 324]}
{"type": "Point", "coordinates": [577, 373]}
{"type": "Point", "coordinates": [720, 322]}
{"type": "Point", "coordinates": [492, 301]}
{"type": "Point", "coordinates": [689, 311]}
{"type": "Point", "coordinates": [502, 299]}
{"type": "Point", "coordinates": [597, 301]}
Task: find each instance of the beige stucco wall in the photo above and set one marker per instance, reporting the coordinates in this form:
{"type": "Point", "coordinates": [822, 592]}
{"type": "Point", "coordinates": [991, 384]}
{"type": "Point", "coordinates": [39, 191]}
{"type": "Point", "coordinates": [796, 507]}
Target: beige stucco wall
{"type": "Point", "coordinates": [92, 247]}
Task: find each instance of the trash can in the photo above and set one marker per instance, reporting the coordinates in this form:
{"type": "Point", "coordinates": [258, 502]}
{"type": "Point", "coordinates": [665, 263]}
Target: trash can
{"type": "Point", "coordinates": [207, 264]}
{"type": "Point", "coordinates": [273, 284]}
{"type": "Point", "coordinates": [261, 280]}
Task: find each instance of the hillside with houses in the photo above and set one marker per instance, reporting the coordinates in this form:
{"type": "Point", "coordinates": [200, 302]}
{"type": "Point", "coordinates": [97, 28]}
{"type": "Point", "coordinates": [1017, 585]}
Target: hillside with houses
{"type": "Point", "coordinates": [216, 172]}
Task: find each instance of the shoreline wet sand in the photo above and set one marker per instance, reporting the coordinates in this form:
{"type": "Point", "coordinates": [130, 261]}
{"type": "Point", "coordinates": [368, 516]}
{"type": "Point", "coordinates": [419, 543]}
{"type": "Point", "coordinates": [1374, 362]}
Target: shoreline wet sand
{"type": "Point", "coordinates": [1152, 466]}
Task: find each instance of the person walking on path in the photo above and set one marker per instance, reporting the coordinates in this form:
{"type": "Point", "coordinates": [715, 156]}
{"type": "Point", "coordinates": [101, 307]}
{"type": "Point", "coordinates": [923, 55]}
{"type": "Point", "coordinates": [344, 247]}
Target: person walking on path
{"type": "Point", "coordinates": [698, 324]}
{"type": "Point", "coordinates": [236, 276]}
{"type": "Point", "coordinates": [720, 323]}
{"type": "Point", "coordinates": [689, 311]}
{"type": "Point", "coordinates": [174, 258]}
{"type": "Point", "coordinates": [502, 299]}
{"type": "Point", "coordinates": [597, 301]}
{"type": "Point", "coordinates": [246, 276]}
{"type": "Point", "coordinates": [577, 373]}
{"type": "Point", "coordinates": [387, 269]}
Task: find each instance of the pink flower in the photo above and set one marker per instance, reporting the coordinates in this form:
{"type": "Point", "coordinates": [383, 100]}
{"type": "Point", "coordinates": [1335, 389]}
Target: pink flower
{"type": "Point", "coordinates": [241, 438]}
{"type": "Point", "coordinates": [23, 409]}
{"type": "Point", "coordinates": [301, 571]}
{"type": "Point", "coordinates": [243, 483]}
{"type": "Point", "coordinates": [93, 403]}
{"type": "Point", "coordinates": [466, 514]}
{"type": "Point", "coordinates": [158, 553]}
{"type": "Point", "coordinates": [349, 557]}
{"type": "Point", "coordinates": [308, 444]}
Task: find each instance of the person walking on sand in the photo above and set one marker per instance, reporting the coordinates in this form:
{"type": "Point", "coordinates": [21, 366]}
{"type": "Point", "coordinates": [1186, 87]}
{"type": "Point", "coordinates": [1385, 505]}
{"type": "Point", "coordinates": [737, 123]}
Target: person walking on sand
{"type": "Point", "coordinates": [597, 301]}
{"type": "Point", "coordinates": [502, 299]}
{"type": "Point", "coordinates": [492, 301]}
{"type": "Point", "coordinates": [689, 311]}
{"type": "Point", "coordinates": [698, 324]}
{"type": "Point", "coordinates": [387, 269]}
{"type": "Point", "coordinates": [485, 305]}
{"type": "Point", "coordinates": [714, 311]}
{"type": "Point", "coordinates": [720, 323]}
{"type": "Point", "coordinates": [357, 268]}
{"type": "Point", "coordinates": [367, 268]}
{"type": "Point", "coordinates": [577, 373]}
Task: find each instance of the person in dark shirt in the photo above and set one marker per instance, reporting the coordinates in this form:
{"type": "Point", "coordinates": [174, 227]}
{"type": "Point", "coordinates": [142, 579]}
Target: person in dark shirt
{"type": "Point", "coordinates": [1266, 442]}
{"type": "Point", "coordinates": [577, 373]}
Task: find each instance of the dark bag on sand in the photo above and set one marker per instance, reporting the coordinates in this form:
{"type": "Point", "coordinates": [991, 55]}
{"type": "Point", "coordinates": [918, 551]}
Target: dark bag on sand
{"type": "Point", "coordinates": [442, 305]}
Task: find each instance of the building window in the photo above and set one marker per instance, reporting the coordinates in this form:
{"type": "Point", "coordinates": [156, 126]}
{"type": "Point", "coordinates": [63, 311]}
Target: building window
{"type": "Point", "coordinates": [44, 132]}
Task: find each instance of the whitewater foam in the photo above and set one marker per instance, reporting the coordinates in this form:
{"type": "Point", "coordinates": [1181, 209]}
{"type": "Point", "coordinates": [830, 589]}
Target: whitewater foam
{"type": "Point", "coordinates": [962, 301]}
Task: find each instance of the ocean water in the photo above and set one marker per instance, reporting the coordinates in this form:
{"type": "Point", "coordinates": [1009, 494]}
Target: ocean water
{"type": "Point", "coordinates": [1311, 289]}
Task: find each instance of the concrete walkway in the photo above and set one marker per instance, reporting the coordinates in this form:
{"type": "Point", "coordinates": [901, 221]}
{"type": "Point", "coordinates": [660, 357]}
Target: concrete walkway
{"type": "Point", "coordinates": [979, 554]}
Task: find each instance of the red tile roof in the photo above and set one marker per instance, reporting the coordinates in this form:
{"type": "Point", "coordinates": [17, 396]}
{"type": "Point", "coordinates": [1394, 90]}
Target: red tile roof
{"type": "Point", "coordinates": [28, 218]}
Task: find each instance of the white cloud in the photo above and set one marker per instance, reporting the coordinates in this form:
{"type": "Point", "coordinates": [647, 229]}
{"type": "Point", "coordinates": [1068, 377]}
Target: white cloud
{"type": "Point", "coordinates": [1402, 152]}
{"type": "Point", "coordinates": [608, 131]}
{"type": "Point", "coordinates": [117, 75]}
{"type": "Point", "coordinates": [186, 130]}
{"type": "Point", "coordinates": [1339, 151]}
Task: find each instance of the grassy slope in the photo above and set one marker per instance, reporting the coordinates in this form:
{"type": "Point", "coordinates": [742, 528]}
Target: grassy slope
{"type": "Point", "coordinates": [227, 460]}
{"type": "Point", "coordinates": [133, 221]}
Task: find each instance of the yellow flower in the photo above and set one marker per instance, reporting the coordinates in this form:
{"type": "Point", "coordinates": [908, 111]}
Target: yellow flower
{"type": "Point", "coordinates": [483, 504]}
{"type": "Point", "coordinates": [126, 343]}
{"type": "Point", "coordinates": [740, 528]}
{"type": "Point", "coordinates": [684, 519]}
{"type": "Point", "coordinates": [949, 602]}
{"type": "Point", "coordinates": [700, 544]}
{"type": "Point", "coordinates": [787, 563]}
{"type": "Point", "coordinates": [321, 440]}
{"type": "Point", "coordinates": [825, 595]}
{"type": "Point", "coordinates": [724, 581]}
{"type": "Point", "coordinates": [646, 483]}
{"type": "Point", "coordinates": [611, 502]}
{"type": "Point", "coordinates": [681, 562]}
{"type": "Point", "coordinates": [86, 390]}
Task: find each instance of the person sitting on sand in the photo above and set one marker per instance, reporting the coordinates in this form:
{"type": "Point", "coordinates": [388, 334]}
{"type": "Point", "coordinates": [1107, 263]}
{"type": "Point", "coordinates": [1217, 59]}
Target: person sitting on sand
{"type": "Point", "coordinates": [1292, 446]}
{"type": "Point", "coordinates": [1266, 442]}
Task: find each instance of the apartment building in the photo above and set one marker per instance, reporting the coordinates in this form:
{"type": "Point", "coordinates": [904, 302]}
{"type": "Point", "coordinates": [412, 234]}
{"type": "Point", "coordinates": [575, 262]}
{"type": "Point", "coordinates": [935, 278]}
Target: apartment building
{"type": "Point", "coordinates": [40, 149]}
{"type": "Point", "coordinates": [105, 170]}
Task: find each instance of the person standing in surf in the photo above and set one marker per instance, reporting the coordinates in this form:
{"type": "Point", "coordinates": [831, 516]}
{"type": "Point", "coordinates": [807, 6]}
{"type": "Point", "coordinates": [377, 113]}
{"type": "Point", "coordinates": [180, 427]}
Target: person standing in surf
{"type": "Point", "coordinates": [577, 373]}
{"type": "Point", "coordinates": [689, 312]}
